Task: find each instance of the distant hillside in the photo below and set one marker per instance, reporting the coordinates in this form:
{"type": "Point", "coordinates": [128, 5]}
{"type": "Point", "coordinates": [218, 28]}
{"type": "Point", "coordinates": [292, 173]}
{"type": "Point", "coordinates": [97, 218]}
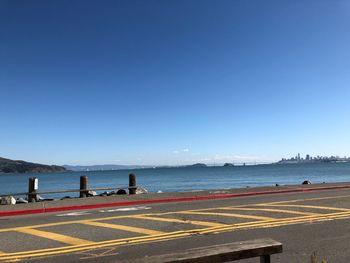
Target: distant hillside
{"type": "Point", "coordinates": [102, 167]}
{"type": "Point", "coordinates": [197, 165]}
{"type": "Point", "coordinates": [14, 166]}
{"type": "Point", "coordinates": [109, 167]}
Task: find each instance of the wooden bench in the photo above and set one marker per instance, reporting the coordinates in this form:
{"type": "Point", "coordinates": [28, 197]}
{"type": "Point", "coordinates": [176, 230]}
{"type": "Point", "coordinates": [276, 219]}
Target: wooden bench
{"type": "Point", "coordinates": [262, 248]}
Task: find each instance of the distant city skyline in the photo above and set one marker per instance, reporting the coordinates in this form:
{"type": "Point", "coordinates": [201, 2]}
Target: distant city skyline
{"type": "Point", "coordinates": [319, 158]}
{"type": "Point", "coordinates": [173, 82]}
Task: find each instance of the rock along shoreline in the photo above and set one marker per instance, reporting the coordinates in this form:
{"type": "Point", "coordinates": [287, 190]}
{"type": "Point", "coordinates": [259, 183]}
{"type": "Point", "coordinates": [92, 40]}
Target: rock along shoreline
{"type": "Point", "coordinates": [96, 202]}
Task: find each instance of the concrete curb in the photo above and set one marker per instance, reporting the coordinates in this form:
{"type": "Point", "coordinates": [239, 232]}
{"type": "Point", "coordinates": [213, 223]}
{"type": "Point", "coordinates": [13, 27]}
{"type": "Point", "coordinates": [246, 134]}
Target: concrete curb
{"type": "Point", "coordinates": [165, 200]}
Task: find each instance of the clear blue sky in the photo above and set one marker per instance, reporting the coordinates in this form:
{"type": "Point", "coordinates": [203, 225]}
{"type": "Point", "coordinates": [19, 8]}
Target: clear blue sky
{"type": "Point", "coordinates": [173, 82]}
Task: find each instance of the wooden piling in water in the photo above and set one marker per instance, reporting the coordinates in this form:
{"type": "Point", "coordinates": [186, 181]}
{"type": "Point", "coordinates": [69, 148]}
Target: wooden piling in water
{"type": "Point", "coordinates": [83, 186]}
{"type": "Point", "coordinates": [132, 184]}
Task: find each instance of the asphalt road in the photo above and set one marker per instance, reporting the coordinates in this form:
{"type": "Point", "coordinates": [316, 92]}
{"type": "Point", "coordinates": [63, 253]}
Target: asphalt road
{"type": "Point", "coordinates": [303, 222]}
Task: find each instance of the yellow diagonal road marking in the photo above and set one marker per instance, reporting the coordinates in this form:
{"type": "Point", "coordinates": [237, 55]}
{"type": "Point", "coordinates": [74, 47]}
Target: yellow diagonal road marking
{"type": "Point", "coordinates": [282, 222]}
{"type": "Point", "coordinates": [124, 228]}
{"type": "Point", "coordinates": [103, 244]}
{"type": "Point", "coordinates": [168, 236]}
{"type": "Point", "coordinates": [53, 236]}
{"type": "Point", "coordinates": [304, 199]}
{"type": "Point", "coordinates": [169, 213]}
{"type": "Point", "coordinates": [205, 230]}
{"type": "Point", "coordinates": [270, 210]}
{"type": "Point", "coordinates": [312, 206]}
{"type": "Point", "coordinates": [227, 214]}
{"type": "Point", "coordinates": [173, 220]}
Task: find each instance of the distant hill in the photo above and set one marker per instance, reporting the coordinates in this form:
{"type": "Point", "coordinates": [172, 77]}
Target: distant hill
{"type": "Point", "coordinates": [15, 166]}
{"type": "Point", "coordinates": [197, 165]}
{"type": "Point", "coordinates": [109, 167]}
{"type": "Point", "coordinates": [102, 167]}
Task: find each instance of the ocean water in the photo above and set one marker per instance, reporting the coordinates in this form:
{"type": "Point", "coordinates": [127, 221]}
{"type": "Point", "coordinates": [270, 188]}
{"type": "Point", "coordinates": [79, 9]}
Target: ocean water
{"type": "Point", "coordinates": [183, 179]}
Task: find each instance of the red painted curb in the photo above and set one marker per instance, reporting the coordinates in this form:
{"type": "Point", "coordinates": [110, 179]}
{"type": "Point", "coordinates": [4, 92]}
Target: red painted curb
{"type": "Point", "coordinates": [165, 200]}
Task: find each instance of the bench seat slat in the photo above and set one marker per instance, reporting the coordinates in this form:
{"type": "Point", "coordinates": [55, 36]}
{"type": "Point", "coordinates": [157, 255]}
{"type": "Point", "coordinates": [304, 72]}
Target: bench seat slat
{"type": "Point", "coordinates": [218, 253]}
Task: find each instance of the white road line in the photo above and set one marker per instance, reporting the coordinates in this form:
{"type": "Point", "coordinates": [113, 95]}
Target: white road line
{"type": "Point", "coordinates": [126, 209]}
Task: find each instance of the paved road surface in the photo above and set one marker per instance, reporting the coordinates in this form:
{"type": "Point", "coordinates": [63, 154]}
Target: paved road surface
{"type": "Point", "coordinates": [303, 222]}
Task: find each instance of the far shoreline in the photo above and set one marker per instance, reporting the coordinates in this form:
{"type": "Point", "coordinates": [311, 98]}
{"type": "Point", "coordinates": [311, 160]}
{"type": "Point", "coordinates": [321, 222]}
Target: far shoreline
{"type": "Point", "coordinates": [181, 167]}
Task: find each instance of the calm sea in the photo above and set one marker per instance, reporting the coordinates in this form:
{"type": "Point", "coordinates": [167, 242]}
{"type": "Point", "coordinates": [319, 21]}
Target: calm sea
{"type": "Point", "coordinates": [185, 179]}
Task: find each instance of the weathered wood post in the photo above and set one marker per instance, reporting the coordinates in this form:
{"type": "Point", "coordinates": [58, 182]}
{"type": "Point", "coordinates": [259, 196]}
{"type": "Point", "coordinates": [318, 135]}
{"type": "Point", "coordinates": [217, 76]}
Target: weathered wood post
{"type": "Point", "coordinates": [132, 184]}
{"type": "Point", "coordinates": [83, 186]}
{"type": "Point", "coordinates": [33, 186]}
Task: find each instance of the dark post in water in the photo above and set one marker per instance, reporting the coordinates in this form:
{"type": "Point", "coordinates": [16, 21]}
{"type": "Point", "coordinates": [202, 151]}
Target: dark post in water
{"type": "Point", "coordinates": [32, 189]}
{"type": "Point", "coordinates": [132, 184]}
{"type": "Point", "coordinates": [83, 186]}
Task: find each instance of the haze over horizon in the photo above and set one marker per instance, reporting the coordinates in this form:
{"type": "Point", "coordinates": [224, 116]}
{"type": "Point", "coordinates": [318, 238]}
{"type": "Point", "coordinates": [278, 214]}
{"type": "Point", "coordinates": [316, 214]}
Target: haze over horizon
{"type": "Point", "coordinates": [173, 82]}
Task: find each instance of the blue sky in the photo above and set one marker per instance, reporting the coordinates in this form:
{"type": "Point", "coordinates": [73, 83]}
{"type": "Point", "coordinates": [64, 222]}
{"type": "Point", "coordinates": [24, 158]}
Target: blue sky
{"type": "Point", "coordinates": [173, 82]}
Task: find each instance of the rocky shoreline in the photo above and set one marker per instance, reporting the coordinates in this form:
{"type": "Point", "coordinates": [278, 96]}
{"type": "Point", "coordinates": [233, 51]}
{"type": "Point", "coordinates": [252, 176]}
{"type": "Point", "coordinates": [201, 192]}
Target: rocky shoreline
{"type": "Point", "coordinates": [108, 198]}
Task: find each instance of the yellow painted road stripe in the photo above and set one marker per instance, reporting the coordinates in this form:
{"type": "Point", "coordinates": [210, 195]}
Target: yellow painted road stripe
{"type": "Point", "coordinates": [279, 223]}
{"type": "Point", "coordinates": [247, 224]}
{"type": "Point", "coordinates": [227, 214]}
{"type": "Point", "coordinates": [97, 219]}
{"type": "Point", "coordinates": [53, 236]}
{"type": "Point", "coordinates": [98, 245]}
{"type": "Point", "coordinates": [124, 228]}
{"type": "Point", "coordinates": [271, 210]}
{"type": "Point", "coordinates": [108, 242]}
{"type": "Point", "coordinates": [173, 220]}
{"type": "Point", "coordinates": [313, 206]}
{"type": "Point", "coordinates": [306, 199]}
{"type": "Point", "coordinates": [178, 234]}
{"type": "Point", "coordinates": [169, 213]}
{"type": "Point", "coordinates": [173, 235]}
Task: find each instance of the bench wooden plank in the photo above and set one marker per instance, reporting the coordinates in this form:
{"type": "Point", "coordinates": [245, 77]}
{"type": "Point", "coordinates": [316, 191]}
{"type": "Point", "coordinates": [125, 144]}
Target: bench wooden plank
{"type": "Point", "coordinates": [219, 253]}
